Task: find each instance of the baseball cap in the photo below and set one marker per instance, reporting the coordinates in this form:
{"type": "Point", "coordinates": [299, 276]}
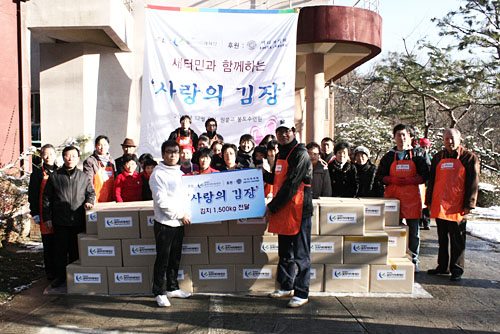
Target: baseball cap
{"type": "Point", "coordinates": [362, 149]}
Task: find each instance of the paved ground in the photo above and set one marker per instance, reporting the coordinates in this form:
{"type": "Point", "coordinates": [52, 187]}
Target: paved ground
{"type": "Point", "coordinates": [469, 306]}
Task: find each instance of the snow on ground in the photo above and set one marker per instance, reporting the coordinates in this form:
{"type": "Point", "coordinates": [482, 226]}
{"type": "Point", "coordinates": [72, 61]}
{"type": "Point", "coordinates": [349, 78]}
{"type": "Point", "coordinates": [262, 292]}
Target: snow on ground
{"type": "Point", "coordinates": [485, 223]}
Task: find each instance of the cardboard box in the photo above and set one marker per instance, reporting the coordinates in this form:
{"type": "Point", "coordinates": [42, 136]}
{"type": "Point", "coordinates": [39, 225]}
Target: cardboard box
{"type": "Point", "coordinates": [206, 229]}
{"type": "Point", "coordinates": [99, 253]}
{"type": "Point", "coordinates": [184, 278]}
{"type": "Point", "coordinates": [341, 219]}
{"type": "Point", "coordinates": [265, 250]}
{"type": "Point", "coordinates": [368, 249]}
{"type": "Point", "coordinates": [86, 280]}
{"type": "Point", "coordinates": [374, 214]}
{"type": "Point", "coordinates": [91, 222]}
{"type": "Point", "coordinates": [146, 223]}
{"type": "Point", "coordinates": [213, 278]}
{"type": "Point", "coordinates": [251, 226]}
{"type": "Point", "coordinates": [347, 277]}
{"type": "Point", "coordinates": [326, 249]}
{"type": "Point", "coordinates": [315, 218]}
{"type": "Point", "coordinates": [230, 250]}
{"type": "Point", "coordinates": [396, 277]}
{"type": "Point", "coordinates": [118, 224]}
{"type": "Point", "coordinates": [391, 212]}
{"type": "Point", "coordinates": [138, 252]}
{"type": "Point", "coordinates": [251, 277]}
{"type": "Point", "coordinates": [194, 250]}
{"type": "Point", "coordinates": [129, 281]}
{"type": "Point", "coordinates": [316, 283]}
{"type": "Point", "coordinates": [397, 241]}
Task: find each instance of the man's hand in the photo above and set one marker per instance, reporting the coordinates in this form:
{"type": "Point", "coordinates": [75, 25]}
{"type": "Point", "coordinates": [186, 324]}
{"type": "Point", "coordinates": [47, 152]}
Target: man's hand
{"type": "Point", "coordinates": [466, 211]}
{"type": "Point", "coordinates": [88, 206]}
{"type": "Point", "coordinates": [186, 220]}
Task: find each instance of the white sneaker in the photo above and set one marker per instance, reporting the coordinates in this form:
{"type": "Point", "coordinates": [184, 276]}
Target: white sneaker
{"type": "Point", "coordinates": [281, 294]}
{"type": "Point", "coordinates": [297, 302]}
{"type": "Point", "coordinates": [162, 301]}
{"type": "Point", "coordinates": [178, 294]}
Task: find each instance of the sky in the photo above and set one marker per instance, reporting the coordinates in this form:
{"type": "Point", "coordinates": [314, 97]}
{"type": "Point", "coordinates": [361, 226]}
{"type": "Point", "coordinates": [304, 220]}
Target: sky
{"type": "Point", "coordinates": [409, 20]}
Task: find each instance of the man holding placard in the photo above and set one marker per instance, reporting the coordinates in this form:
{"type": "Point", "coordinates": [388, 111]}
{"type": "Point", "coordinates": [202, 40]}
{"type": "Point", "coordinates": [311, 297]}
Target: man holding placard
{"type": "Point", "coordinates": [289, 215]}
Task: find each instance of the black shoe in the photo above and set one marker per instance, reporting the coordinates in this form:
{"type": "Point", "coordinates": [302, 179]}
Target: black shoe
{"type": "Point", "coordinates": [455, 277]}
{"type": "Point", "coordinates": [425, 227]}
{"type": "Point", "coordinates": [58, 282]}
{"type": "Point", "coordinates": [437, 271]}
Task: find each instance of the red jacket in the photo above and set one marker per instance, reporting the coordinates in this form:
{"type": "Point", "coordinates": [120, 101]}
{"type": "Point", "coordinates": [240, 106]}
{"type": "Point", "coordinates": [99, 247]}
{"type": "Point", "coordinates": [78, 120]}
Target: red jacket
{"type": "Point", "coordinates": [128, 188]}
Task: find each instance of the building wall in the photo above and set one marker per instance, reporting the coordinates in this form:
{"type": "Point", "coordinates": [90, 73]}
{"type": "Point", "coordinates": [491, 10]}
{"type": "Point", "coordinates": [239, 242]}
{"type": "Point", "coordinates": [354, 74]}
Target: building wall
{"type": "Point", "coordinates": [9, 84]}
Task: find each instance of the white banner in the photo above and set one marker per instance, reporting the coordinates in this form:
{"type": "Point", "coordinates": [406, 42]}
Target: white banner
{"type": "Point", "coordinates": [237, 66]}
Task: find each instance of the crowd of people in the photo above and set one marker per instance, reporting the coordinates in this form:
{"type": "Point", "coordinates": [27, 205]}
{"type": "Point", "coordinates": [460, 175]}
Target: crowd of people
{"type": "Point", "coordinates": [293, 173]}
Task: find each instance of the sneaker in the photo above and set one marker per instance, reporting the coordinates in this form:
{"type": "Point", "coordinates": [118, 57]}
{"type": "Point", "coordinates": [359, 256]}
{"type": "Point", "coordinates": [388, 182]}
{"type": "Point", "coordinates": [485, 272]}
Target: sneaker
{"type": "Point", "coordinates": [281, 294]}
{"type": "Point", "coordinates": [178, 294]}
{"type": "Point", "coordinates": [455, 277]}
{"type": "Point", "coordinates": [425, 227]}
{"type": "Point", "coordinates": [437, 271]}
{"type": "Point", "coordinates": [162, 301]}
{"type": "Point", "coordinates": [297, 302]}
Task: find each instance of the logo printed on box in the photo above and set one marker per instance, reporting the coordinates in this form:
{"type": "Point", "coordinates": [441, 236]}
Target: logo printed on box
{"type": "Point", "coordinates": [341, 218]}
{"type": "Point", "coordinates": [92, 216]}
{"type": "Point", "coordinates": [151, 221]}
{"type": "Point", "coordinates": [205, 274]}
{"type": "Point", "coordinates": [391, 206]}
{"type": "Point", "coordinates": [366, 247]}
{"type": "Point", "coordinates": [313, 273]}
{"type": "Point", "coordinates": [448, 165]}
{"type": "Point", "coordinates": [191, 248]}
{"type": "Point", "coordinates": [128, 277]}
{"type": "Point", "coordinates": [245, 221]}
{"type": "Point", "coordinates": [323, 247]}
{"type": "Point", "coordinates": [229, 247]}
{"type": "Point", "coordinates": [112, 222]}
{"type": "Point", "coordinates": [403, 167]}
{"type": "Point", "coordinates": [269, 247]}
{"type": "Point", "coordinates": [142, 249]}
{"type": "Point", "coordinates": [392, 242]}
{"type": "Point", "coordinates": [391, 275]}
{"type": "Point", "coordinates": [180, 275]}
{"type": "Point", "coordinates": [87, 278]}
{"type": "Point", "coordinates": [101, 250]}
{"type": "Point", "coordinates": [252, 273]}
{"type": "Point", "coordinates": [346, 274]}
{"type": "Point", "coordinates": [373, 210]}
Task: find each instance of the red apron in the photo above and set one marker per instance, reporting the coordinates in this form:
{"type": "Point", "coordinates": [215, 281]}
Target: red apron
{"type": "Point", "coordinates": [184, 141]}
{"type": "Point", "coordinates": [288, 219]}
{"type": "Point", "coordinates": [449, 188]}
{"type": "Point", "coordinates": [44, 229]}
{"type": "Point", "coordinates": [408, 195]}
{"type": "Point", "coordinates": [104, 183]}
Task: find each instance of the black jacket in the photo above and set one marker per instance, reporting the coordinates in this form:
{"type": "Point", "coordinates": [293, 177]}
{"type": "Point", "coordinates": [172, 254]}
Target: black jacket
{"type": "Point", "coordinates": [34, 187]}
{"type": "Point", "coordinates": [244, 159]}
{"type": "Point", "coordinates": [321, 184]}
{"type": "Point", "coordinates": [384, 167]}
{"type": "Point", "coordinates": [64, 197]}
{"type": "Point", "coordinates": [368, 186]}
{"type": "Point", "coordinates": [299, 170]}
{"type": "Point", "coordinates": [344, 179]}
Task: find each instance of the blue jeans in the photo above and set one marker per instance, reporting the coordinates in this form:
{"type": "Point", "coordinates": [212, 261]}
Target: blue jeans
{"type": "Point", "coordinates": [294, 267]}
{"type": "Point", "coordinates": [413, 239]}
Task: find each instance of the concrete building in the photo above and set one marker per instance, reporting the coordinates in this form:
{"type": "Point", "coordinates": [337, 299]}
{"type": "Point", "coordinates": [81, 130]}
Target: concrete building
{"type": "Point", "coordinates": [84, 64]}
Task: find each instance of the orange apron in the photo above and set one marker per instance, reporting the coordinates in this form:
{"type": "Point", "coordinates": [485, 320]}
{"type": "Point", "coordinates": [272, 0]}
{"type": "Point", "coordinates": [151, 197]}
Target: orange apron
{"type": "Point", "coordinates": [104, 183]}
{"type": "Point", "coordinates": [288, 219]}
{"type": "Point", "coordinates": [408, 195]}
{"type": "Point", "coordinates": [44, 229]}
{"type": "Point", "coordinates": [184, 141]}
{"type": "Point", "coordinates": [449, 188]}
{"type": "Point", "coordinates": [268, 189]}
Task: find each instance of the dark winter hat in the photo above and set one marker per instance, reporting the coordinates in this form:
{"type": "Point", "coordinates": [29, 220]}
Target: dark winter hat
{"type": "Point", "coordinates": [128, 143]}
{"type": "Point", "coordinates": [362, 149]}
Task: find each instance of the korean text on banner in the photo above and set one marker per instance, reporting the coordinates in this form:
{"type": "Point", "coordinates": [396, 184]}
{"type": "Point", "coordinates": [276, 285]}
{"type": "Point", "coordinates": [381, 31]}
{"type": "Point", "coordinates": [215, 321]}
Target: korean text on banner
{"type": "Point", "coordinates": [226, 196]}
{"type": "Point", "coordinates": [237, 66]}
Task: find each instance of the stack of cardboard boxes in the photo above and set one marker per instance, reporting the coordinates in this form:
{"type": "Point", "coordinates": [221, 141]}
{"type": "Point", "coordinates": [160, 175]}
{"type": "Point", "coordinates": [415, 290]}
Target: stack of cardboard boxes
{"type": "Point", "coordinates": [356, 246]}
